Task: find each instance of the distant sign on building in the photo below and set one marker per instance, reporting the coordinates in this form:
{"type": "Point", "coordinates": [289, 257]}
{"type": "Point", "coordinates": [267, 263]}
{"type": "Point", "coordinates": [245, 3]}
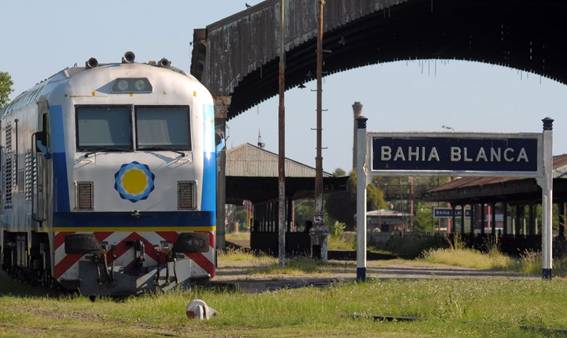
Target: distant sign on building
{"type": "Point", "coordinates": [448, 212]}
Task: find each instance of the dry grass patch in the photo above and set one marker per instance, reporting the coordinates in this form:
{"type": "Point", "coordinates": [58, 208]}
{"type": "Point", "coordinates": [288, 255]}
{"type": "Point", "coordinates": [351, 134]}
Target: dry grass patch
{"type": "Point", "coordinates": [240, 258]}
{"type": "Point", "coordinates": [341, 243]}
{"type": "Point", "coordinates": [529, 263]}
{"type": "Point", "coordinates": [241, 238]}
{"type": "Point", "coordinates": [469, 258]}
{"type": "Point", "coordinates": [295, 267]}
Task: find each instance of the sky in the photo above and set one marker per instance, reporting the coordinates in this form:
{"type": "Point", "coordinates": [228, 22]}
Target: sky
{"type": "Point", "coordinates": [39, 38]}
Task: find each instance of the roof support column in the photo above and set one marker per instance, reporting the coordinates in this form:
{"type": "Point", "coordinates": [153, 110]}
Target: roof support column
{"type": "Point", "coordinates": [452, 227]}
{"type": "Point", "coordinates": [562, 218]}
{"type": "Point", "coordinates": [531, 220]}
{"type": "Point", "coordinates": [462, 219]}
{"type": "Point", "coordinates": [482, 218]}
{"type": "Point", "coordinates": [472, 220]}
{"type": "Point", "coordinates": [493, 219]}
{"type": "Point", "coordinates": [504, 218]}
{"type": "Point", "coordinates": [519, 219]}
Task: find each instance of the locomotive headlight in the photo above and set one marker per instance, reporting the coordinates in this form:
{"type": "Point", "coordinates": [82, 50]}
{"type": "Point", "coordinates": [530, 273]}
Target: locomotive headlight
{"type": "Point", "coordinates": [192, 242]}
{"type": "Point", "coordinates": [131, 85]}
{"type": "Point", "coordinates": [122, 85]}
{"type": "Point", "coordinates": [140, 85]}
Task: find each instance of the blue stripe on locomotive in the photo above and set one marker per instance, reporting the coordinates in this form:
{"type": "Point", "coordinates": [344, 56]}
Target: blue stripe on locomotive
{"type": "Point", "coordinates": [209, 192]}
{"type": "Point", "coordinates": [149, 219]}
{"type": "Point", "coordinates": [60, 178]}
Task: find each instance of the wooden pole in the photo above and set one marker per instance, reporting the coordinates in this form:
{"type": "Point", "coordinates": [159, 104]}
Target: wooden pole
{"type": "Point", "coordinates": [281, 141]}
{"type": "Point", "coordinates": [321, 231]}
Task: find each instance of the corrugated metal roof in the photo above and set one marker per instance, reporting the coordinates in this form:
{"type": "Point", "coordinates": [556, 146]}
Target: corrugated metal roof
{"type": "Point", "coordinates": [248, 160]}
{"type": "Point", "coordinates": [387, 213]}
{"type": "Point", "coordinates": [559, 171]}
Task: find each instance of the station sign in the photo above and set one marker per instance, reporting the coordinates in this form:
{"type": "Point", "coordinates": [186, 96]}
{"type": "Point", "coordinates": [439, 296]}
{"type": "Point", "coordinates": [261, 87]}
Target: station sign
{"type": "Point", "coordinates": [456, 153]}
{"type": "Point", "coordinates": [527, 155]}
{"type": "Point", "coordinates": [448, 212]}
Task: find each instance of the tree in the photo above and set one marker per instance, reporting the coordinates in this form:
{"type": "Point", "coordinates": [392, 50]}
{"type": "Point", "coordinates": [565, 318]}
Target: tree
{"type": "Point", "coordinates": [341, 205]}
{"type": "Point", "coordinates": [5, 88]}
{"type": "Point", "coordinates": [236, 214]}
{"type": "Point", "coordinates": [424, 220]}
{"type": "Point", "coordinates": [339, 173]}
{"type": "Point", "coordinates": [304, 211]}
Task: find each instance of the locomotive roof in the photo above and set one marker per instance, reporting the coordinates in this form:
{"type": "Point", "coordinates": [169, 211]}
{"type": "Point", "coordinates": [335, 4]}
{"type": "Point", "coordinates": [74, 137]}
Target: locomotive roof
{"type": "Point", "coordinates": [32, 95]}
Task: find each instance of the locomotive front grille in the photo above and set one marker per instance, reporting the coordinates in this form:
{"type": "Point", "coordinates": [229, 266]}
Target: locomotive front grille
{"type": "Point", "coordinates": [85, 195]}
{"type": "Point", "coordinates": [185, 195]}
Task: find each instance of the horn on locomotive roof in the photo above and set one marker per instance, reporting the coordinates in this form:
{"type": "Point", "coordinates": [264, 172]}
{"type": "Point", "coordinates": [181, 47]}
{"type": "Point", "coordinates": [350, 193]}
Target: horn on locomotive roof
{"type": "Point", "coordinates": [91, 63]}
{"type": "Point", "coordinates": [164, 62]}
{"type": "Point", "coordinates": [128, 57]}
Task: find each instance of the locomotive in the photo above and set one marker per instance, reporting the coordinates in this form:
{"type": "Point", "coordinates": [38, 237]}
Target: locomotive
{"type": "Point", "coordinates": [108, 176]}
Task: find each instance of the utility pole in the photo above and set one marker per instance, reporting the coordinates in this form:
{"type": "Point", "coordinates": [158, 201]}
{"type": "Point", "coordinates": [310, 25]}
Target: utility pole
{"type": "Point", "coordinates": [281, 141]}
{"type": "Point", "coordinates": [320, 231]}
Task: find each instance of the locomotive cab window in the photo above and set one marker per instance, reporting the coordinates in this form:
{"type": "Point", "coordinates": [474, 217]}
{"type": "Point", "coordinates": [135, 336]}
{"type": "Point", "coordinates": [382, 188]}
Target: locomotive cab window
{"type": "Point", "coordinates": [162, 128]}
{"type": "Point", "coordinates": [104, 128]}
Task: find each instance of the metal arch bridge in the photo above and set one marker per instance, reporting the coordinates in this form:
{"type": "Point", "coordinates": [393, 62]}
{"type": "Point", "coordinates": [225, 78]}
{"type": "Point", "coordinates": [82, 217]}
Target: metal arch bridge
{"type": "Point", "coordinates": [237, 57]}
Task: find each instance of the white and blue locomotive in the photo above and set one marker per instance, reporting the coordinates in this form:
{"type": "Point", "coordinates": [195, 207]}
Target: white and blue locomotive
{"type": "Point", "coordinates": [109, 179]}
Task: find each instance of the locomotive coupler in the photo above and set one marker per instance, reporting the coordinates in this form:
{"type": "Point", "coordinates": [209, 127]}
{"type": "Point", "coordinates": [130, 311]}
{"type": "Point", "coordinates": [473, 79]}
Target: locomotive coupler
{"type": "Point", "coordinates": [166, 262]}
{"type": "Point", "coordinates": [139, 251]}
{"type": "Point", "coordinates": [100, 260]}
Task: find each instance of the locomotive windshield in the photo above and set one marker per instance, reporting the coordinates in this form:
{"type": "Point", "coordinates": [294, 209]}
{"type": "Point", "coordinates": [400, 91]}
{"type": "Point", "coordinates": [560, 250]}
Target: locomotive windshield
{"type": "Point", "coordinates": [105, 128]}
{"type": "Point", "coordinates": [162, 128]}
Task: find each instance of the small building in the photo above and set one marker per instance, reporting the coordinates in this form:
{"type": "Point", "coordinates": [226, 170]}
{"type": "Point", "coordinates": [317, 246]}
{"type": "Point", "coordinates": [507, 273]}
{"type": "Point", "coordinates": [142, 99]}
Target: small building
{"type": "Point", "coordinates": [252, 176]}
{"type": "Point", "coordinates": [385, 220]}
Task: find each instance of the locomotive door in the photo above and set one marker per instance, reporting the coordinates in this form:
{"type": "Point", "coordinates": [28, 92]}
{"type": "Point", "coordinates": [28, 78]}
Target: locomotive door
{"type": "Point", "coordinates": [40, 152]}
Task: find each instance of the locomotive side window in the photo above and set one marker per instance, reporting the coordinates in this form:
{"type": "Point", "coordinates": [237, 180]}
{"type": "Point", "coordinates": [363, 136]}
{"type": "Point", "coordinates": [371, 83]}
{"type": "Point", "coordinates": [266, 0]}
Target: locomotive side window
{"type": "Point", "coordinates": [104, 128]}
{"type": "Point", "coordinates": [162, 128]}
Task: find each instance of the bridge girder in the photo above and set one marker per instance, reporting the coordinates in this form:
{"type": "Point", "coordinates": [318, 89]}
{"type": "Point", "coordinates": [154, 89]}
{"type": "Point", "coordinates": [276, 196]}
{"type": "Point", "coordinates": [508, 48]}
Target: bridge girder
{"type": "Point", "coordinates": [237, 56]}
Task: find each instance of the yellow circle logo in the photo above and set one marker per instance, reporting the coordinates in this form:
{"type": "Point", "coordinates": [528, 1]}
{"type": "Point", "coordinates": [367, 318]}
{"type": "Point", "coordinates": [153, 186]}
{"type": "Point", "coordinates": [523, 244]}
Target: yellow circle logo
{"type": "Point", "coordinates": [134, 181]}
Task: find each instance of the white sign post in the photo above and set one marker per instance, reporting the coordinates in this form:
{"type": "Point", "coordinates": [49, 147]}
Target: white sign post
{"type": "Point", "coordinates": [361, 173]}
{"type": "Point", "coordinates": [456, 154]}
{"type": "Point", "coordinates": [546, 183]}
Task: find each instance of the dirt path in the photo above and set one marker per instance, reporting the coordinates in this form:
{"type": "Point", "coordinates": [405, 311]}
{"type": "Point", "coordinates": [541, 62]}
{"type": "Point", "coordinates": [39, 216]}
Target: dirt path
{"type": "Point", "coordinates": [246, 279]}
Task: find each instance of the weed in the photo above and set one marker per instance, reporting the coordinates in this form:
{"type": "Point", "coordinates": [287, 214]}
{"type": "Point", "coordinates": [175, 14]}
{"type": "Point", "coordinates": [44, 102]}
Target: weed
{"type": "Point", "coordinates": [241, 257]}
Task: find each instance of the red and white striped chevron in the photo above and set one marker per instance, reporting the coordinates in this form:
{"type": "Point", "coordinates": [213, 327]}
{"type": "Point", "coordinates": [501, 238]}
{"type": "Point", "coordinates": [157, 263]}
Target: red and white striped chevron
{"type": "Point", "coordinates": [67, 268]}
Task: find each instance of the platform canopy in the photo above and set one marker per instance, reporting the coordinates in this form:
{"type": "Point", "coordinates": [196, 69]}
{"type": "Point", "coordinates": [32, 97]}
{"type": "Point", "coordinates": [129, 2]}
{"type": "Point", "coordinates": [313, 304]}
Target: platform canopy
{"type": "Point", "coordinates": [252, 174]}
{"type": "Point", "coordinates": [501, 189]}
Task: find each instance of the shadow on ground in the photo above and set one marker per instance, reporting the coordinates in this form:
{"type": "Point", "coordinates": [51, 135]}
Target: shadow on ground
{"type": "Point", "coordinates": [12, 287]}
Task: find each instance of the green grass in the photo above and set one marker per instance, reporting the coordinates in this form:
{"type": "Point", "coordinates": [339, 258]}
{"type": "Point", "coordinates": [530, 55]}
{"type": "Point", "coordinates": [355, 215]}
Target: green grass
{"type": "Point", "coordinates": [446, 308]}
